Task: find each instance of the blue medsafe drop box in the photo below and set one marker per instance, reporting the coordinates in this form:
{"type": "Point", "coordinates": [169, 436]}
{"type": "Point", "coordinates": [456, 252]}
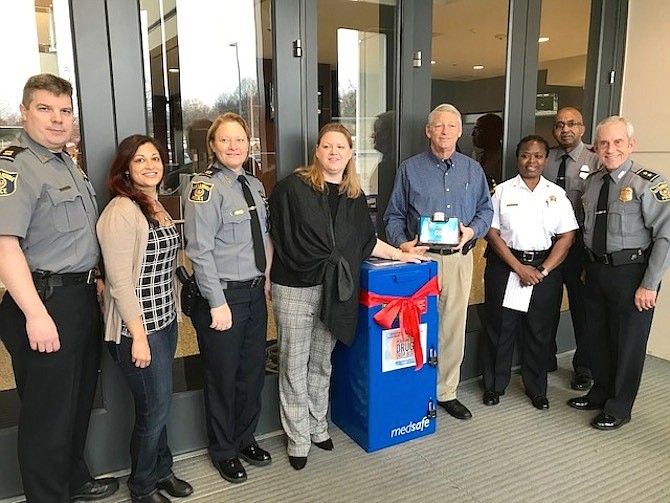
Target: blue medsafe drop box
{"type": "Point", "coordinates": [377, 396]}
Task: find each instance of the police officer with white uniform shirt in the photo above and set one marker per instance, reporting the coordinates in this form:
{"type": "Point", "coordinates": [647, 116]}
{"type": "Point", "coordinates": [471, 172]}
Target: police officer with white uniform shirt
{"type": "Point", "coordinates": [228, 244]}
{"type": "Point", "coordinates": [568, 165]}
{"type": "Point", "coordinates": [532, 231]}
{"type": "Point", "coordinates": [49, 317]}
{"type": "Point", "coordinates": [627, 236]}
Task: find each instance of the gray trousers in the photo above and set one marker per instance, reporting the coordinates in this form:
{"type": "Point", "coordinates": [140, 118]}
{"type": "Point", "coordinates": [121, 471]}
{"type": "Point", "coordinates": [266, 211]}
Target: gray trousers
{"type": "Point", "coordinates": [305, 347]}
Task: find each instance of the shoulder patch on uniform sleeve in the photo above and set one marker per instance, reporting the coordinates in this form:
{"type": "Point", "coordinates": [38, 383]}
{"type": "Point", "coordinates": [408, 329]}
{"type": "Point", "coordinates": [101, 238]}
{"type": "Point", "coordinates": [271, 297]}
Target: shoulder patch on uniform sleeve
{"type": "Point", "coordinates": [8, 181]}
{"type": "Point", "coordinates": [661, 192]}
{"type": "Point", "coordinates": [647, 175]}
{"type": "Point", "coordinates": [201, 192]}
{"type": "Point", "coordinates": [10, 153]}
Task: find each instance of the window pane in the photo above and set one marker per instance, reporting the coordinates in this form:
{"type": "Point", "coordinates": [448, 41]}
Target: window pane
{"type": "Point", "coordinates": [356, 79]}
{"type": "Point", "coordinates": [468, 70]}
{"type": "Point", "coordinates": [561, 61]}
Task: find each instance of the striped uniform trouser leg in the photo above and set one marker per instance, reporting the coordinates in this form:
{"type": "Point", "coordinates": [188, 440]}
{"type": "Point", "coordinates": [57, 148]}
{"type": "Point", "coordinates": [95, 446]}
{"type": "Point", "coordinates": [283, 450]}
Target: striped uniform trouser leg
{"type": "Point", "coordinates": [305, 347]}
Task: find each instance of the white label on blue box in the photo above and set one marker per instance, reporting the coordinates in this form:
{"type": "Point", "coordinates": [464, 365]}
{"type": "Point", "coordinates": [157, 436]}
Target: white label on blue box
{"type": "Point", "coordinates": [398, 351]}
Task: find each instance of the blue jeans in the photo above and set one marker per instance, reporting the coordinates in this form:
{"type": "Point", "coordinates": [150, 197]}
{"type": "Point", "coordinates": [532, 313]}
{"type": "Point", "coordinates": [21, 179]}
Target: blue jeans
{"type": "Point", "coordinates": [152, 391]}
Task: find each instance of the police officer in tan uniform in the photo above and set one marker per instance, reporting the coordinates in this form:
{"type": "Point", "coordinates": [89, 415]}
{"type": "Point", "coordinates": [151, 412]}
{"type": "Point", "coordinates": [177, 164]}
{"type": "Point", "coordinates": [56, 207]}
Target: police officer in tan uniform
{"type": "Point", "coordinates": [227, 242]}
{"type": "Point", "coordinates": [627, 238]}
{"type": "Point", "coordinates": [49, 317]}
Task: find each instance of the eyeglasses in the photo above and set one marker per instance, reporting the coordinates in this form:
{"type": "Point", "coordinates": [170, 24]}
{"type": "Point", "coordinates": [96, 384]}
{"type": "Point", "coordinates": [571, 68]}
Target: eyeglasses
{"type": "Point", "coordinates": [570, 124]}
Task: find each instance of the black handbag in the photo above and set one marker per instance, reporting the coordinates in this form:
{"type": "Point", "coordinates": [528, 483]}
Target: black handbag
{"type": "Point", "coordinates": [189, 291]}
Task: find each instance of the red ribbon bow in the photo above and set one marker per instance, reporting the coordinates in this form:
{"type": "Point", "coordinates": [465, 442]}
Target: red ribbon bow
{"type": "Point", "coordinates": [407, 308]}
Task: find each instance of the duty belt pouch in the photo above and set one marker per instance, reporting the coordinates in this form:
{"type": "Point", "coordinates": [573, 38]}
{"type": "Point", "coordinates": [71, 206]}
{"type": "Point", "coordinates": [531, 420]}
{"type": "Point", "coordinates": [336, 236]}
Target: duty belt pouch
{"type": "Point", "coordinates": [625, 257]}
{"type": "Point", "coordinates": [41, 279]}
{"type": "Point", "coordinates": [189, 291]}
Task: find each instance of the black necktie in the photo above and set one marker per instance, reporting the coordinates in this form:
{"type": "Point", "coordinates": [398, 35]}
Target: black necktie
{"type": "Point", "coordinates": [560, 178]}
{"type": "Point", "coordinates": [600, 228]}
{"type": "Point", "coordinates": [256, 234]}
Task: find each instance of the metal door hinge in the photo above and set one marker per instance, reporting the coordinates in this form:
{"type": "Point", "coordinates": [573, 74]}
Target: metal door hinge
{"type": "Point", "coordinates": [297, 48]}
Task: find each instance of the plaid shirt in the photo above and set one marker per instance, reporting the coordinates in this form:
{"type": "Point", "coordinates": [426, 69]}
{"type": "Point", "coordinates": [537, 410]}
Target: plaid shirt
{"type": "Point", "coordinates": [154, 290]}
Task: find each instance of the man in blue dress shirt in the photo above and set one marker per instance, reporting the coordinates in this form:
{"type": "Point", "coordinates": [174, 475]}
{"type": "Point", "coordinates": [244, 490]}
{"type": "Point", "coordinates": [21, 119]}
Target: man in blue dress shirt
{"type": "Point", "coordinates": [443, 180]}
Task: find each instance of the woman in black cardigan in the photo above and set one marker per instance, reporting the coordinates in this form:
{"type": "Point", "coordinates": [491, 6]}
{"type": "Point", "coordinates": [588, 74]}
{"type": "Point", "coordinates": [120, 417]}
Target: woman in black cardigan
{"type": "Point", "coordinates": [322, 232]}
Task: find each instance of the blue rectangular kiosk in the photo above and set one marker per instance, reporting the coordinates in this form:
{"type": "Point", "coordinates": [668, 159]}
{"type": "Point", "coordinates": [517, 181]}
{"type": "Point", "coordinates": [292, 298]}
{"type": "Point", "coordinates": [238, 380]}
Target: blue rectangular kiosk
{"type": "Point", "coordinates": [377, 396]}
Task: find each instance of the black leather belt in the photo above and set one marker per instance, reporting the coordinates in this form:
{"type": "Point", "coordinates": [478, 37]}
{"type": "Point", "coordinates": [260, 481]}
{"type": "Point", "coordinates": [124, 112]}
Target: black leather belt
{"type": "Point", "coordinates": [622, 257]}
{"type": "Point", "coordinates": [530, 256]}
{"type": "Point", "coordinates": [50, 279]}
{"type": "Point", "coordinates": [443, 251]}
{"type": "Point", "coordinates": [250, 283]}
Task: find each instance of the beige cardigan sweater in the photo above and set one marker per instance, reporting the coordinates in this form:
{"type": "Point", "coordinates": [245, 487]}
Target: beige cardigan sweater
{"type": "Point", "coordinates": [123, 232]}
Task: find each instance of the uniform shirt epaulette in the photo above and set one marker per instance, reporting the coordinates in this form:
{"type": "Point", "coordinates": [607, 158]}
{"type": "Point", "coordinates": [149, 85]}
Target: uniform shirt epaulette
{"type": "Point", "coordinates": [599, 170]}
{"type": "Point", "coordinates": [10, 153]}
{"type": "Point", "coordinates": [210, 171]}
{"type": "Point", "coordinates": [646, 174]}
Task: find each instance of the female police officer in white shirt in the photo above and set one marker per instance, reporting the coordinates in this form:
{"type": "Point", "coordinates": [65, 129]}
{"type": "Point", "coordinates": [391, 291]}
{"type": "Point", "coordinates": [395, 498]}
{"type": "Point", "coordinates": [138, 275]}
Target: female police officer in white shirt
{"type": "Point", "coordinates": [532, 231]}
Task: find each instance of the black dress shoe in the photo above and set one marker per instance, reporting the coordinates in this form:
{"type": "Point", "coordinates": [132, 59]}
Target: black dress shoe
{"type": "Point", "coordinates": [232, 470]}
{"type": "Point", "coordinates": [152, 498]}
{"type": "Point", "coordinates": [581, 382]}
{"type": "Point", "coordinates": [298, 462]}
{"type": "Point", "coordinates": [491, 398]}
{"type": "Point", "coordinates": [96, 489]}
{"type": "Point", "coordinates": [326, 445]}
{"type": "Point", "coordinates": [584, 403]}
{"type": "Point", "coordinates": [175, 487]}
{"type": "Point", "coordinates": [540, 402]}
{"type": "Point", "coordinates": [606, 422]}
{"type": "Point", "coordinates": [254, 455]}
{"type": "Point", "coordinates": [456, 409]}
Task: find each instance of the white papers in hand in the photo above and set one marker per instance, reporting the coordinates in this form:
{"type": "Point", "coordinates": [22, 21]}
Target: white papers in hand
{"type": "Point", "coordinates": [517, 297]}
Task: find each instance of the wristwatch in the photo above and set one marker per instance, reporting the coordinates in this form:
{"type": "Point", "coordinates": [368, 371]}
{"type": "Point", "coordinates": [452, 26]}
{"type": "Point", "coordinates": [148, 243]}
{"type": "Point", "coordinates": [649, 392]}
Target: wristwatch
{"type": "Point", "coordinates": [544, 272]}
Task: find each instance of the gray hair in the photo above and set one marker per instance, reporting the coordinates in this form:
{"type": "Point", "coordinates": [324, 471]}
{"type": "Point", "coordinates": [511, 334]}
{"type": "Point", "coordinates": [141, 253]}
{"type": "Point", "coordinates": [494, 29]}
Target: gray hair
{"type": "Point", "coordinates": [616, 119]}
{"type": "Point", "coordinates": [444, 107]}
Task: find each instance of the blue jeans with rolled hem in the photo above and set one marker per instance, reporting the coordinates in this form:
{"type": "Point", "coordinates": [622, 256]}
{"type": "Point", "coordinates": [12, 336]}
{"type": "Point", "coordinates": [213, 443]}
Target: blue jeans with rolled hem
{"type": "Point", "coordinates": [152, 391]}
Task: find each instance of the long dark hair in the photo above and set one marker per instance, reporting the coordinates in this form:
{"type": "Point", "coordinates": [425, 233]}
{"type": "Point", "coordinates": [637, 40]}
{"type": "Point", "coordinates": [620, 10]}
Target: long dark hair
{"type": "Point", "coordinates": [118, 180]}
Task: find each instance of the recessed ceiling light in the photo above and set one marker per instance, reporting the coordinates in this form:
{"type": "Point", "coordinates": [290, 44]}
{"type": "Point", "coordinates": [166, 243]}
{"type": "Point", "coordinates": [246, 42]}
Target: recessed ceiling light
{"type": "Point", "coordinates": [432, 61]}
{"type": "Point", "coordinates": [478, 67]}
{"type": "Point", "coordinates": [543, 39]}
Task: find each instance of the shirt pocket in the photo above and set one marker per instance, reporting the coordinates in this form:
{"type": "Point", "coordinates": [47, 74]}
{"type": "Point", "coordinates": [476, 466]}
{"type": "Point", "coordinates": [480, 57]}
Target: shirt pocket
{"type": "Point", "coordinates": [624, 219]}
{"type": "Point", "coordinates": [511, 215]}
{"type": "Point", "coordinates": [68, 213]}
{"type": "Point", "coordinates": [236, 226]}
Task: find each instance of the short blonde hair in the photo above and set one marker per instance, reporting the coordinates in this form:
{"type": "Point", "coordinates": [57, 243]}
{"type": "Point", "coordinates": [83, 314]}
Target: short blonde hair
{"type": "Point", "coordinates": [222, 119]}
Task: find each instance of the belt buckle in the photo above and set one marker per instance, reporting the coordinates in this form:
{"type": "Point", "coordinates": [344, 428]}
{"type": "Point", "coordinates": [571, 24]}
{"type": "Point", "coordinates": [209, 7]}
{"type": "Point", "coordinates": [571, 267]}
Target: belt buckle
{"type": "Point", "coordinates": [606, 259]}
{"type": "Point", "coordinates": [527, 256]}
{"type": "Point", "coordinates": [91, 277]}
{"type": "Point", "coordinates": [256, 281]}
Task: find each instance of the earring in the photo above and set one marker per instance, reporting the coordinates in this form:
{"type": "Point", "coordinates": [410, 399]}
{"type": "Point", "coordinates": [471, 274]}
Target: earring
{"type": "Point", "coordinates": [126, 174]}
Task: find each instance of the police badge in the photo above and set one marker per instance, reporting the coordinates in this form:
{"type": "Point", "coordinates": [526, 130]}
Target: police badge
{"type": "Point", "coordinates": [661, 192]}
{"type": "Point", "coordinates": [8, 181]}
{"type": "Point", "coordinates": [626, 194]}
{"type": "Point", "coordinates": [200, 192]}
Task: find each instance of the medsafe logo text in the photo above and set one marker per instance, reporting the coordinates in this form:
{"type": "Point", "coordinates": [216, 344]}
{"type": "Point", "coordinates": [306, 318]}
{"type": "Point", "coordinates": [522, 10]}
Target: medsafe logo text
{"type": "Point", "coordinates": [410, 427]}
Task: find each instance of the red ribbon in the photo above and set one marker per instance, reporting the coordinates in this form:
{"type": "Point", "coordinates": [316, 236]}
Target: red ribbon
{"type": "Point", "coordinates": [408, 309]}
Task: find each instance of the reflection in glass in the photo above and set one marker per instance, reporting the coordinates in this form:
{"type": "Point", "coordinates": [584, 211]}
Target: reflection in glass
{"type": "Point", "coordinates": [468, 71]}
{"type": "Point", "coordinates": [561, 61]}
{"type": "Point", "coordinates": [356, 79]}
{"type": "Point", "coordinates": [37, 35]}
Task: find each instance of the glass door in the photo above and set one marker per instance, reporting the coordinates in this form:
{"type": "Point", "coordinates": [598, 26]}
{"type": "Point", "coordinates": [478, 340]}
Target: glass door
{"type": "Point", "coordinates": [356, 66]}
